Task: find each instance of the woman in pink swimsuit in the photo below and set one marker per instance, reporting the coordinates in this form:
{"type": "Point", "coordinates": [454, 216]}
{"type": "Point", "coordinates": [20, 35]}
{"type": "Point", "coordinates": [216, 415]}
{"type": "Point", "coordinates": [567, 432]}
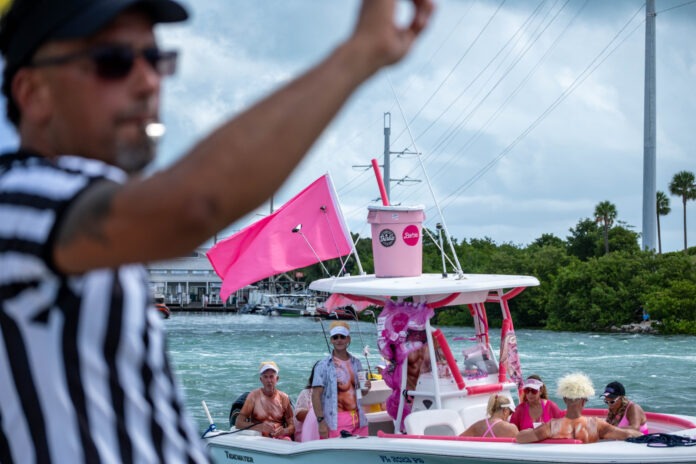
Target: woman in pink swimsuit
{"type": "Point", "coordinates": [536, 408]}
{"type": "Point", "coordinates": [622, 412]}
{"type": "Point", "coordinates": [499, 410]}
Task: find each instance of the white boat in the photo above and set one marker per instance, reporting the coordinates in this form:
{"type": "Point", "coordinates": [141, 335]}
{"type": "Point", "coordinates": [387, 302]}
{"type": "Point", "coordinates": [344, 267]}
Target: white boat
{"type": "Point", "coordinates": [446, 400]}
{"type": "Point", "coordinates": [295, 304]}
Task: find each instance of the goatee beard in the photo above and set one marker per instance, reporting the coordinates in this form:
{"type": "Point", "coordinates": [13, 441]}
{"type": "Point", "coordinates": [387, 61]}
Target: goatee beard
{"type": "Point", "coordinates": [135, 157]}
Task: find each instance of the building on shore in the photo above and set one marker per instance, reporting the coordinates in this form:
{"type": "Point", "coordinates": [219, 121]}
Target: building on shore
{"type": "Point", "coordinates": [191, 282]}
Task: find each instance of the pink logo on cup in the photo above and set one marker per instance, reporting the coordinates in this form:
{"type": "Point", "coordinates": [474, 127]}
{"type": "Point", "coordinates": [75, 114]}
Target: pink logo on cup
{"type": "Point", "coordinates": [411, 235]}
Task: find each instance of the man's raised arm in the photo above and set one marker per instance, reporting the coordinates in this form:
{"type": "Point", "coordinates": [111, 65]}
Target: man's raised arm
{"type": "Point", "coordinates": [239, 165]}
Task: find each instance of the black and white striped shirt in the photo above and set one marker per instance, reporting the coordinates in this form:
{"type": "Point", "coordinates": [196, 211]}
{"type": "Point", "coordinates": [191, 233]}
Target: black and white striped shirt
{"type": "Point", "coordinates": [84, 375]}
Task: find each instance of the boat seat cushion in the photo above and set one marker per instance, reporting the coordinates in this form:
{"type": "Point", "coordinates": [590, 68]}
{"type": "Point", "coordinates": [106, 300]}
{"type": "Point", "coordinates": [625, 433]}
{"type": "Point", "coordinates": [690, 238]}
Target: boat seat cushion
{"type": "Point", "coordinates": [472, 413]}
{"type": "Point", "coordinates": [434, 422]}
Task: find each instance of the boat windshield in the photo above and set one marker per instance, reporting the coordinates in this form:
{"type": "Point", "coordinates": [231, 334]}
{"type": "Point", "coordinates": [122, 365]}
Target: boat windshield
{"type": "Point", "coordinates": [478, 362]}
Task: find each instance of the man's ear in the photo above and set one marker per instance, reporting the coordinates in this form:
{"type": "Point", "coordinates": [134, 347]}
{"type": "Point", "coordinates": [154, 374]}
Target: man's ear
{"type": "Point", "coordinates": [32, 95]}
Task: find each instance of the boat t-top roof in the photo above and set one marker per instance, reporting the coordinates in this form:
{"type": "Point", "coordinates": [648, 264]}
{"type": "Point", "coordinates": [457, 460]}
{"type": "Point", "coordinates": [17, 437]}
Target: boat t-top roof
{"type": "Point", "coordinates": [469, 288]}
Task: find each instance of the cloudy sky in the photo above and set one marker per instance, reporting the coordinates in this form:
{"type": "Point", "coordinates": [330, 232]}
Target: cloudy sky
{"type": "Point", "coordinates": [526, 113]}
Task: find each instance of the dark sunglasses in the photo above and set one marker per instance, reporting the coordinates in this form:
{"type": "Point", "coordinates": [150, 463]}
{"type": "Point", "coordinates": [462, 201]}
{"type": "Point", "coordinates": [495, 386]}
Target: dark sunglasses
{"type": "Point", "coordinates": [338, 337]}
{"type": "Point", "coordinates": [530, 390]}
{"type": "Point", "coordinates": [113, 62]}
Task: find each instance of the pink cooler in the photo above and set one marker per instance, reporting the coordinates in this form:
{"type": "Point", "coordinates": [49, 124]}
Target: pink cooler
{"type": "Point", "coordinates": [397, 243]}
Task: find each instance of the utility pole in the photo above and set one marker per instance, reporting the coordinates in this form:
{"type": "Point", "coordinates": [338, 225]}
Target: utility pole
{"type": "Point", "coordinates": [387, 152]}
{"type": "Point", "coordinates": [649, 133]}
{"type": "Point", "coordinates": [387, 159]}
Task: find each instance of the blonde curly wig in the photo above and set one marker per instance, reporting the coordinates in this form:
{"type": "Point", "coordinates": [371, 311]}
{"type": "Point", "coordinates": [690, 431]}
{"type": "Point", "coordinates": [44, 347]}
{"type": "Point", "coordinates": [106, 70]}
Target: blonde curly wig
{"type": "Point", "coordinates": [574, 386]}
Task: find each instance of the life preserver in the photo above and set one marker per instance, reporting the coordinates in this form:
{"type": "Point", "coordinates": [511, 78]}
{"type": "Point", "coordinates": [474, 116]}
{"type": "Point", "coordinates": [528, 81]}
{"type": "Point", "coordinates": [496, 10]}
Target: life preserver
{"type": "Point", "coordinates": [451, 362]}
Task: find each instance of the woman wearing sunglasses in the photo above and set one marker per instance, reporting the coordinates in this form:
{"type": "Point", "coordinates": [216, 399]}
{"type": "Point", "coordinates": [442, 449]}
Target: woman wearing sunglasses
{"type": "Point", "coordinates": [335, 397]}
{"type": "Point", "coordinates": [535, 407]}
{"type": "Point", "coordinates": [622, 412]}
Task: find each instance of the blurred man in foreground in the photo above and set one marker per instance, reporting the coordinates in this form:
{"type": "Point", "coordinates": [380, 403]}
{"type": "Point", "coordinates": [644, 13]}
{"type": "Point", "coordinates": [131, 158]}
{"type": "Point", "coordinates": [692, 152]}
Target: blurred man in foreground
{"type": "Point", "coordinates": [83, 372]}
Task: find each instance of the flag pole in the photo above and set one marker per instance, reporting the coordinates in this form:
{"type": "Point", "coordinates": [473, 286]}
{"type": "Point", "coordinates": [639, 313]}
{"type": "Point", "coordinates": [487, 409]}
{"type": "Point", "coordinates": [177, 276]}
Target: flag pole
{"type": "Point", "coordinates": [346, 230]}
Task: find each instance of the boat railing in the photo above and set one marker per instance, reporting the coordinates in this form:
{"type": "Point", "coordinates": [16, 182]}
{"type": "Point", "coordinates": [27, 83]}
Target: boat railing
{"type": "Point", "coordinates": [467, 391]}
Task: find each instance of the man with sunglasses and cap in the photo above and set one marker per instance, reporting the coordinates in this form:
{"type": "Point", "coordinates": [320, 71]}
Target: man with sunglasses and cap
{"type": "Point", "coordinates": [622, 412]}
{"type": "Point", "coordinates": [84, 376]}
{"type": "Point", "coordinates": [267, 409]}
{"type": "Point", "coordinates": [336, 389]}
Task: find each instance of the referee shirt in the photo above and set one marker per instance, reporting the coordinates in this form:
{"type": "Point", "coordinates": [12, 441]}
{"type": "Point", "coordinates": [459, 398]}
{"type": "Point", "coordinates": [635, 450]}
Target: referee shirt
{"type": "Point", "coordinates": [83, 372]}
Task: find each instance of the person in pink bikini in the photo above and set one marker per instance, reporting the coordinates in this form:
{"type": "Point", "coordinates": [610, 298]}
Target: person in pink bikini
{"type": "Point", "coordinates": [622, 412]}
{"type": "Point", "coordinates": [499, 410]}
{"type": "Point", "coordinates": [535, 408]}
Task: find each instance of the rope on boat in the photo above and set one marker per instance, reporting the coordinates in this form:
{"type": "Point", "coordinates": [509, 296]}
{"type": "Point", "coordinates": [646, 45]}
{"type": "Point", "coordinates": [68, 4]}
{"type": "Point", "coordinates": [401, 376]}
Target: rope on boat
{"type": "Point", "coordinates": [458, 269]}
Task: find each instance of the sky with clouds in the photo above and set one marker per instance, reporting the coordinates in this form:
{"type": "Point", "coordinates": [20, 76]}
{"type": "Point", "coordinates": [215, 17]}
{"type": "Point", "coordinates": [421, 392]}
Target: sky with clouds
{"type": "Point", "coordinates": [526, 113]}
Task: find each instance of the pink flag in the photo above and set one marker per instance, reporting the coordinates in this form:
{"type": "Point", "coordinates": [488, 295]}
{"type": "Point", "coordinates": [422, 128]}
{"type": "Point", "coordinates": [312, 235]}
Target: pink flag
{"type": "Point", "coordinates": [274, 244]}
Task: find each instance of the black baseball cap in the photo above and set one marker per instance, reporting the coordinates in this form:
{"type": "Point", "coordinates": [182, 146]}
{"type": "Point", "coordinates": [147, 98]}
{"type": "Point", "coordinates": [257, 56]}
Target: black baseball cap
{"type": "Point", "coordinates": [614, 389]}
{"type": "Point", "coordinates": [30, 23]}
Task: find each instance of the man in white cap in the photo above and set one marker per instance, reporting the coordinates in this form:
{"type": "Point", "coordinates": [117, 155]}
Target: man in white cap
{"type": "Point", "coordinates": [267, 409]}
{"type": "Point", "coordinates": [335, 388]}
{"type": "Point", "coordinates": [575, 390]}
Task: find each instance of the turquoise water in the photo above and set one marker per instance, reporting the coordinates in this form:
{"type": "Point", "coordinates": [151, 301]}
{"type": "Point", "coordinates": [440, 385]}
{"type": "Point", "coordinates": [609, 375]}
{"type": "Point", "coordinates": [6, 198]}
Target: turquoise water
{"type": "Point", "coordinates": [216, 357]}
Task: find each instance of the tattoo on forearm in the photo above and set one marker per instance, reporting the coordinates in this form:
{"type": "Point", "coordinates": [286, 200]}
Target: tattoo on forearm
{"type": "Point", "coordinates": [86, 218]}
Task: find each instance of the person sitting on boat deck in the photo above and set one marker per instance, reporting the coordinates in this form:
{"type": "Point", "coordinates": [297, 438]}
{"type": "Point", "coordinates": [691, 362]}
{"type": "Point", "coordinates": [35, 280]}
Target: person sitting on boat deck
{"type": "Point", "coordinates": [335, 387]}
{"type": "Point", "coordinates": [575, 389]}
{"type": "Point", "coordinates": [622, 412]}
{"type": "Point", "coordinates": [306, 427]}
{"type": "Point", "coordinates": [535, 407]}
{"type": "Point", "coordinates": [267, 408]}
{"type": "Point", "coordinates": [499, 410]}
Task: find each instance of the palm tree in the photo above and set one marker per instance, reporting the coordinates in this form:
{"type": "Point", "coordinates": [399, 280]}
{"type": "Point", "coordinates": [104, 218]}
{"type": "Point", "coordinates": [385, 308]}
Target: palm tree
{"type": "Point", "coordinates": [605, 213]}
{"type": "Point", "coordinates": [682, 185]}
{"type": "Point", "coordinates": [663, 209]}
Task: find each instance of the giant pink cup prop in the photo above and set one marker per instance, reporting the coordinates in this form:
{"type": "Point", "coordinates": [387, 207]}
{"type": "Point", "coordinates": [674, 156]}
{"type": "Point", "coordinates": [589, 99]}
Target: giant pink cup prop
{"type": "Point", "coordinates": [397, 242]}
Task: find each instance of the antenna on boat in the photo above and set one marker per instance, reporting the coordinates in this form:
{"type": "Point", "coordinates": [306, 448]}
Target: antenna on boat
{"type": "Point", "coordinates": [366, 349]}
{"type": "Point", "coordinates": [438, 226]}
{"type": "Point", "coordinates": [460, 273]}
{"type": "Point", "coordinates": [324, 332]}
{"type": "Point", "coordinates": [298, 230]}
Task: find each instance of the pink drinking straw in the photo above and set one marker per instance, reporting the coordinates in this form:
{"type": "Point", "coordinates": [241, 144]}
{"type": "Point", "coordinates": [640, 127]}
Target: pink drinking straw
{"type": "Point", "coordinates": [380, 183]}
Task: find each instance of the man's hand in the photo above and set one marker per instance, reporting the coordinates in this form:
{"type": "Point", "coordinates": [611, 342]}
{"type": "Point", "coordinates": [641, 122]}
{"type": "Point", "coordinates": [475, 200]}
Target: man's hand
{"type": "Point", "coordinates": [377, 29]}
{"type": "Point", "coordinates": [323, 429]}
{"type": "Point", "coordinates": [278, 432]}
{"type": "Point", "coordinates": [268, 429]}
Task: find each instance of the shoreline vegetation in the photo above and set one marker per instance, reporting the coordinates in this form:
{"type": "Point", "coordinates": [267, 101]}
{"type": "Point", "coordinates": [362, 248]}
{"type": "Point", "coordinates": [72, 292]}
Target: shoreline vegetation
{"type": "Point", "coordinates": [597, 279]}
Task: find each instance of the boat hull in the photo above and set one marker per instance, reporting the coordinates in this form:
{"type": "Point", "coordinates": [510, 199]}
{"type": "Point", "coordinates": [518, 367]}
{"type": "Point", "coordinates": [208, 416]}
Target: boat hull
{"type": "Point", "coordinates": [379, 450]}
